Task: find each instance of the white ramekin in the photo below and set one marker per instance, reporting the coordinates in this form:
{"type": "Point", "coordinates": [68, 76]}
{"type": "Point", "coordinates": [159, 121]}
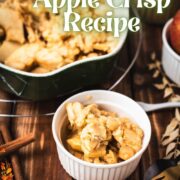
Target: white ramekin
{"type": "Point", "coordinates": [112, 101]}
{"type": "Point", "coordinates": [170, 59]}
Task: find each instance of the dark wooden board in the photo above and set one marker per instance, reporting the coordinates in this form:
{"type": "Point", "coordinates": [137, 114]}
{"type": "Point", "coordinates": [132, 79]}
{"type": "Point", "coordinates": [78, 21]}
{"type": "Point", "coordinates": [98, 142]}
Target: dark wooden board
{"type": "Point", "coordinates": [39, 160]}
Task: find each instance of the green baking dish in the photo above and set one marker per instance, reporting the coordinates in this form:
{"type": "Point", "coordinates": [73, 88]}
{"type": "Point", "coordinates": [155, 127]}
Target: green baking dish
{"type": "Point", "coordinates": [64, 80]}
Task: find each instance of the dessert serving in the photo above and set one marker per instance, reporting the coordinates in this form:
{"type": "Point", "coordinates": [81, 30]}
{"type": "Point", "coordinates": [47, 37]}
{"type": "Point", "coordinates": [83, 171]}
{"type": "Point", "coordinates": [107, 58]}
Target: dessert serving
{"type": "Point", "coordinates": [33, 39]}
{"type": "Point", "coordinates": [100, 136]}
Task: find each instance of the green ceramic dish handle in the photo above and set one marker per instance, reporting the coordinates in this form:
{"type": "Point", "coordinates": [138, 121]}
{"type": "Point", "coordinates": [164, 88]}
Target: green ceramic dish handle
{"type": "Point", "coordinates": [23, 84]}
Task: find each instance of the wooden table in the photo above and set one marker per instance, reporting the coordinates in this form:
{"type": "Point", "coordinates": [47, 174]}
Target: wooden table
{"type": "Point", "coordinates": [39, 160]}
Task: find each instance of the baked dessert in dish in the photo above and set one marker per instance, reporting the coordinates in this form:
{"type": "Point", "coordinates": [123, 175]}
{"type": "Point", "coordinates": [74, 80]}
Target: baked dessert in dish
{"type": "Point", "coordinates": [33, 39]}
{"type": "Point", "coordinates": [99, 136]}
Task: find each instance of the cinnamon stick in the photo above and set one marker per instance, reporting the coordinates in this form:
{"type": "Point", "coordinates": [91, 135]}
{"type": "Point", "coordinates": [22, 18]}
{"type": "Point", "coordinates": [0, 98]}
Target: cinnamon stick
{"type": "Point", "coordinates": [16, 144]}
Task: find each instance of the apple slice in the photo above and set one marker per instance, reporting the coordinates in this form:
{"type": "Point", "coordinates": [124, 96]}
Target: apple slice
{"type": "Point", "coordinates": [175, 33]}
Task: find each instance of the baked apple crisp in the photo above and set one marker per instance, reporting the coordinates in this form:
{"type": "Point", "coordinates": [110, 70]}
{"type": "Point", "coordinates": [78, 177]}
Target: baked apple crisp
{"type": "Point", "coordinates": [33, 39]}
{"type": "Point", "coordinates": [99, 136]}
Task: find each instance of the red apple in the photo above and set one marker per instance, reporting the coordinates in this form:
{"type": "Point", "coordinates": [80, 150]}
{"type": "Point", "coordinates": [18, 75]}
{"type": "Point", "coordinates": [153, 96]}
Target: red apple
{"type": "Point", "coordinates": [175, 33]}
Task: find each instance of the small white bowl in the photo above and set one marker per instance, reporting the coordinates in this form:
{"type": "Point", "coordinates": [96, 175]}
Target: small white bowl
{"type": "Point", "coordinates": [82, 170]}
{"type": "Point", "coordinates": [170, 59]}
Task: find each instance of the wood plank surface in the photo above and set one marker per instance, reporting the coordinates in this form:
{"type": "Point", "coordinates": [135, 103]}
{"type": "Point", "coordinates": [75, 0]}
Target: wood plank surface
{"type": "Point", "coordinates": [5, 123]}
{"type": "Point", "coordinates": [39, 160]}
{"type": "Point", "coordinates": [143, 90]}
